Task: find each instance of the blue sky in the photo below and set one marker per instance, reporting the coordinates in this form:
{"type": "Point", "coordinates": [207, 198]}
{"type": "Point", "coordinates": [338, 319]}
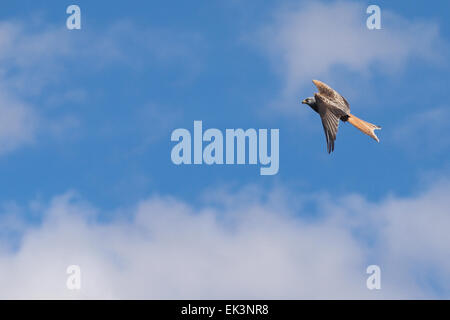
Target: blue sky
{"type": "Point", "coordinates": [91, 111]}
{"type": "Point", "coordinates": [226, 83]}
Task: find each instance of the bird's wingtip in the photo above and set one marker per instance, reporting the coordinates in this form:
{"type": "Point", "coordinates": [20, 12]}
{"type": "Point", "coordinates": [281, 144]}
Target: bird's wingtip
{"type": "Point", "coordinates": [319, 84]}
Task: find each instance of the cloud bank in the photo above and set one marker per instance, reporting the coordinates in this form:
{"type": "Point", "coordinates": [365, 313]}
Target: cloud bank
{"type": "Point", "coordinates": [247, 244]}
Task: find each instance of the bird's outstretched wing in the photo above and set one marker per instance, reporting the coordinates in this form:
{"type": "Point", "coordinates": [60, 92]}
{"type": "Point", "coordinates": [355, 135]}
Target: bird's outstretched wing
{"type": "Point", "coordinates": [330, 124]}
{"type": "Point", "coordinates": [332, 98]}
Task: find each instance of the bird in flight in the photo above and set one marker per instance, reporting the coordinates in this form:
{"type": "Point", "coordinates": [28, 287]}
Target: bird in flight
{"type": "Point", "coordinates": [332, 107]}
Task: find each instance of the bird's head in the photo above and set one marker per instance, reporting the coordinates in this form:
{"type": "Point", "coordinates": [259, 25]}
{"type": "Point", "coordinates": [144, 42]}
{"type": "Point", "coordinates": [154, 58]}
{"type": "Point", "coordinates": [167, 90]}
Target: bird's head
{"type": "Point", "coordinates": [309, 101]}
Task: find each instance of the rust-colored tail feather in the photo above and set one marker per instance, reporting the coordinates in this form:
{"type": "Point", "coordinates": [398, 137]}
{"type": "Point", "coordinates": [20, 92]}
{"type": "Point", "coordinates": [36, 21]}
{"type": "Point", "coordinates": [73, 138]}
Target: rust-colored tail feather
{"type": "Point", "coordinates": [364, 127]}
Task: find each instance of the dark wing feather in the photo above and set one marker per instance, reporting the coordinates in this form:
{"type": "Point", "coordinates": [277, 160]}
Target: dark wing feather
{"type": "Point", "coordinates": [330, 125]}
{"type": "Point", "coordinates": [332, 97]}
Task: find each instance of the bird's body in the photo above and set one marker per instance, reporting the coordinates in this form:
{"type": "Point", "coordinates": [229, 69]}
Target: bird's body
{"type": "Point", "coordinates": [332, 107]}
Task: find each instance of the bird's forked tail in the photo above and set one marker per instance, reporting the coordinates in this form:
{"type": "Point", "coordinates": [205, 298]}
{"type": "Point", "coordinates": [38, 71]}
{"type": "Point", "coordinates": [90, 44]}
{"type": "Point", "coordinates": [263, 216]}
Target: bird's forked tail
{"type": "Point", "coordinates": [364, 127]}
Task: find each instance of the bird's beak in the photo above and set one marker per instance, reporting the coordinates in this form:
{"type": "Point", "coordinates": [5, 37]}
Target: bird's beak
{"type": "Point", "coordinates": [304, 101]}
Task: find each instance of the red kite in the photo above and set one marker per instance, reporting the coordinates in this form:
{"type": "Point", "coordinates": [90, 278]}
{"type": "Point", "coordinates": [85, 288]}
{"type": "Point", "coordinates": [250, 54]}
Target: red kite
{"type": "Point", "coordinates": [332, 107]}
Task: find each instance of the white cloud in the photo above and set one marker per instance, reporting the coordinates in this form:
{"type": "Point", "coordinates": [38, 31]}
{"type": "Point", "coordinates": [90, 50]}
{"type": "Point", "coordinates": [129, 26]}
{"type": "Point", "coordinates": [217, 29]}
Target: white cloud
{"type": "Point", "coordinates": [37, 61]}
{"type": "Point", "coordinates": [18, 123]}
{"type": "Point", "coordinates": [309, 41]}
{"type": "Point", "coordinates": [261, 246]}
{"type": "Point", "coordinates": [426, 131]}
{"type": "Point", "coordinates": [30, 60]}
